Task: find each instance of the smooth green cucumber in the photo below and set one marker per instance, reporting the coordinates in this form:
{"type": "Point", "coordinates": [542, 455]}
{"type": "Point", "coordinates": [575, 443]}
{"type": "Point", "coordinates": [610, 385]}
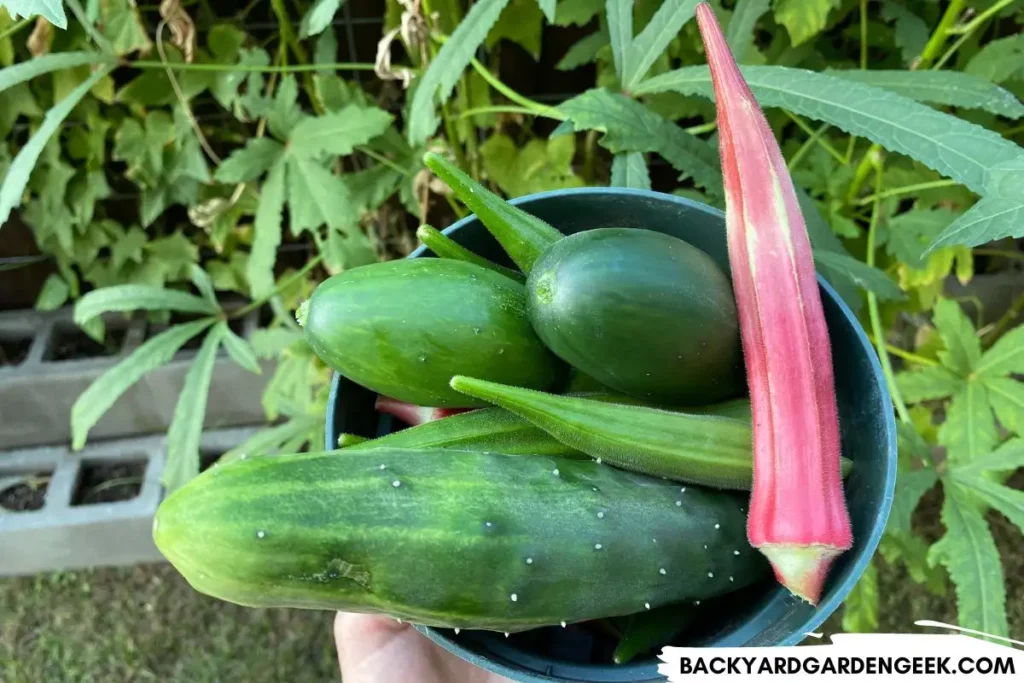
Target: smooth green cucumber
{"type": "Point", "coordinates": [696, 447]}
{"type": "Point", "coordinates": [453, 539]}
{"type": "Point", "coordinates": [643, 313]}
{"type": "Point", "coordinates": [445, 247]}
{"type": "Point", "coordinates": [497, 430]}
{"type": "Point", "coordinates": [404, 328]}
{"type": "Point", "coordinates": [523, 236]}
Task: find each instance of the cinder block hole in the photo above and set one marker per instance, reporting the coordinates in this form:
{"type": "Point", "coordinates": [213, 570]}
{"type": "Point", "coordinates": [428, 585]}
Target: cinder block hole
{"type": "Point", "coordinates": [108, 482]}
{"type": "Point", "coordinates": [24, 492]}
{"type": "Point", "coordinates": [69, 342]}
{"type": "Point", "coordinates": [14, 350]}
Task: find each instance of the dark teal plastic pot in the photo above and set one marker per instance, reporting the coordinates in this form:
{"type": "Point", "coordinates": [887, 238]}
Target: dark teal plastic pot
{"type": "Point", "coordinates": [762, 615]}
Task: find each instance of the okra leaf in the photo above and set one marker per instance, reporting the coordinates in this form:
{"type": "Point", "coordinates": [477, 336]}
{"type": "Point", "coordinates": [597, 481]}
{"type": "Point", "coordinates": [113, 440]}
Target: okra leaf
{"type": "Point", "coordinates": [19, 171]}
{"type": "Point", "coordinates": [338, 132]}
{"type": "Point", "coordinates": [1004, 357]}
{"type": "Point", "coordinates": [267, 232]}
{"type": "Point", "coordinates": [999, 214]}
{"type": "Point", "coordinates": [577, 12]}
{"type": "Point", "coordinates": [860, 609]}
{"type": "Point", "coordinates": [446, 68]}
{"type": "Point", "coordinates": [620, 28]}
{"type": "Point", "coordinates": [139, 297]}
{"type": "Point", "coordinates": [910, 486]}
{"type": "Point", "coordinates": [629, 169]}
{"type": "Point", "coordinates": [955, 148]}
{"type": "Point", "coordinates": [1007, 399]}
{"type": "Point", "coordinates": [269, 441]}
{"type": "Point", "coordinates": [999, 60]}
{"type": "Point", "coordinates": [249, 162]}
{"type": "Point", "coordinates": [629, 126]}
{"type": "Point", "coordinates": [652, 41]}
{"type": "Point", "coordinates": [804, 19]}
{"type": "Point", "coordinates": [548, 7]}
{"type": "Point", "coordinates": [910, 32]}
{"type": "Point", "coordinates": [1009, 502]}
{"type": "Point", "coordinates": [583, 51]}
{"type": "Point", "coordinates": [963, 348]}
{"type": "Point", "coordinates": [190, 411]}
{"type": "Point", "coordinates": [911, 232]}
{"type": "Point", "coordinates": [951, 88]}
{"type": "Point", "coordinates": [970, 428]}
{"type": "Point", "coordinates": [740, 32]}
{"type": "Point", "coordinates": [928, 383]}
{"type": "Point", "coordinates": [51, 10]}
{"type": "Point", "coordinates": [284, 113]}
{"type": "Point", "coordinates": [54, 293]}
{"type": "Point", "coordinates": [201, 279]}
{"type": "Point", "coordinates": [866, 277]}
{"type": "Point", "coordinates": [1006, 458]}
{"type": "Point", "coordinates": [90, 406]}
{"type": "Point", "coordinates": [317, 197]}
{"type": "Point", "coordinates": [319, 17]}
{"type": "Point", "coordinates": [240, 351]}
{"type": "Point", "coordinates": [969, 553]}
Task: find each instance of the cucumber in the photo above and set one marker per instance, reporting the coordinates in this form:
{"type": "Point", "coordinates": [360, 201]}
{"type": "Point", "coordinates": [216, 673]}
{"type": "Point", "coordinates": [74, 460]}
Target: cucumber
{"type": "Point", "coordinates": [453, 539]}
{"type": "Point", "coordinates": [404, 328]}
{"type": "Point", "coordinates": [643, 313]}
{"type": "Point", "coordinates": [445, 247]}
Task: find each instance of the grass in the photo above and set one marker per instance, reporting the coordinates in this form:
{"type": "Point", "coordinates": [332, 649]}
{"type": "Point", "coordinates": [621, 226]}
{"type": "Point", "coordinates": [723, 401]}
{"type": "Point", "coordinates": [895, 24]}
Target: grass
{"type": "Point", "coordinates": [147, 624]}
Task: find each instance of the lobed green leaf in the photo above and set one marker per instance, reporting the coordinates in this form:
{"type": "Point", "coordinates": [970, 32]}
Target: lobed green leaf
{"type": "Point", "coordinates": [267, 232]}
{"type": "Point", "coordinates": [629, 169]}
{"type": "Point", "coordinates": [139, 297]}
{"type": "Point", "coordinates": [740, 32]}
{"type": "Point", "coordinates": [90, 406]}
{"type": "Point", "coordinates": [338, 132]}
{"type": "Point", "coordinates": [652, 41]}
{"type": "Point", "coordinates": [950, 88]}
{"type": "Point", "coordinates": [249, 162]}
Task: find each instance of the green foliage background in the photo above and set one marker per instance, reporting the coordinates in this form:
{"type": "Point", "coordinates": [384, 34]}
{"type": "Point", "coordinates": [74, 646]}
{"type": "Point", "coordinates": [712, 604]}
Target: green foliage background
{"type": "Point", "coordinates": [256, 163]}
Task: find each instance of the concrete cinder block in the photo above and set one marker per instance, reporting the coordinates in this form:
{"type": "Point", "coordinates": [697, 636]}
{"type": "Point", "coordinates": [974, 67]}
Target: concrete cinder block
{"type": "Point", "coordinates": [36, 394]}
{"type": "Point", "coordinates": [65, 535]}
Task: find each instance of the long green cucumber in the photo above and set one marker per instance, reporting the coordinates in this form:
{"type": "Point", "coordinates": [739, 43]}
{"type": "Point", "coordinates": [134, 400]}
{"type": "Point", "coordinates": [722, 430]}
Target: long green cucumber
{"type": "Point", "coordinates": [643, 313]}
{"type": "Point", "coordinates": [523, 236]}
{"type": "Point", "coordinates": [497, 430]}
{"type": "Point", "coordinates": [403, 328]}
{"type": "Point", "coordinates": [445, 247]}
{"type": "Point", "coordinates": [453, 539]}
{"type": "Point", "coordinates": [698, 448]}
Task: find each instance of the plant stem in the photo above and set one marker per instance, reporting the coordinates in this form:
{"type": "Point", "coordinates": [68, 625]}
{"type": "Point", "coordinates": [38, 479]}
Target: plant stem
{"type": "Point", "coordinates": [500, 109]}
{"type": "Point", "coordinates": [863, 34]}
{"type": "Point", "coordinates": [702, 128]}
{"type": "Point", "coordinates": [11, 30]}
{"type": "Point", "coordinates": [938, 38]}
{"type": "Point", "coordinates": [1006, 321]}
{"type": "Point", "coordinates": [251, 68]}
{"type": "Point", "coordinates": [376, 156]}
{"type": "Point", "coordinates": [906, 189]}
{"type": "Point", "coordinates": [806, 147]}
{"type": "Point", "coordinates": [249, 308]}
{"type": "Point", "coordinates": [876, 320]}
{"type": "Point", "coordinates": [810, 131]}
{"type": "Point", "coordinates": [589, 155]}
{"type": "Point", "coordinates": [968, 29]}
{"type": "Point", "coordinates": [906, 355]}
{"type": "Point", "coordinates": [90, 29]}
{"type": "Point", "coordinates": [494, 82]}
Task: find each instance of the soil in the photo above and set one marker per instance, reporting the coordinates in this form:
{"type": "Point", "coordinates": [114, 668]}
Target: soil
{"type": "Point", "coordinates": [26, 496]}
{"type": "Point", "coordinates": [108, 483]}
{"type": "Point", "coordinates": [71, 343]}
{"type": "Point", "coordinates": [13, 351]}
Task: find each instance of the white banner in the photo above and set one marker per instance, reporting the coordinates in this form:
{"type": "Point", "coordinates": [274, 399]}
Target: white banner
{"type": "Point", "coordinates": [854, 657]}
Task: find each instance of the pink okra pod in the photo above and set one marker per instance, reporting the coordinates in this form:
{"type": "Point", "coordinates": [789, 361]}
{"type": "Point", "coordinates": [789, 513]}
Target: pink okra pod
{"type": "Point", "coordinates": [798, 517]}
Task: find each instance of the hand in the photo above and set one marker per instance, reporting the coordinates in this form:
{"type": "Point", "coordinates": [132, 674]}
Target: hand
{"type": "Point", "coordinates": [375, 649]}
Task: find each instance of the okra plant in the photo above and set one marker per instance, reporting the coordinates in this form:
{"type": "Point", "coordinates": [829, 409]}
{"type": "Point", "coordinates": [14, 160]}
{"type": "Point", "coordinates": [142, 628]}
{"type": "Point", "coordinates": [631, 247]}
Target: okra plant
{"type": "Point", "coordinates": [193, 163]}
